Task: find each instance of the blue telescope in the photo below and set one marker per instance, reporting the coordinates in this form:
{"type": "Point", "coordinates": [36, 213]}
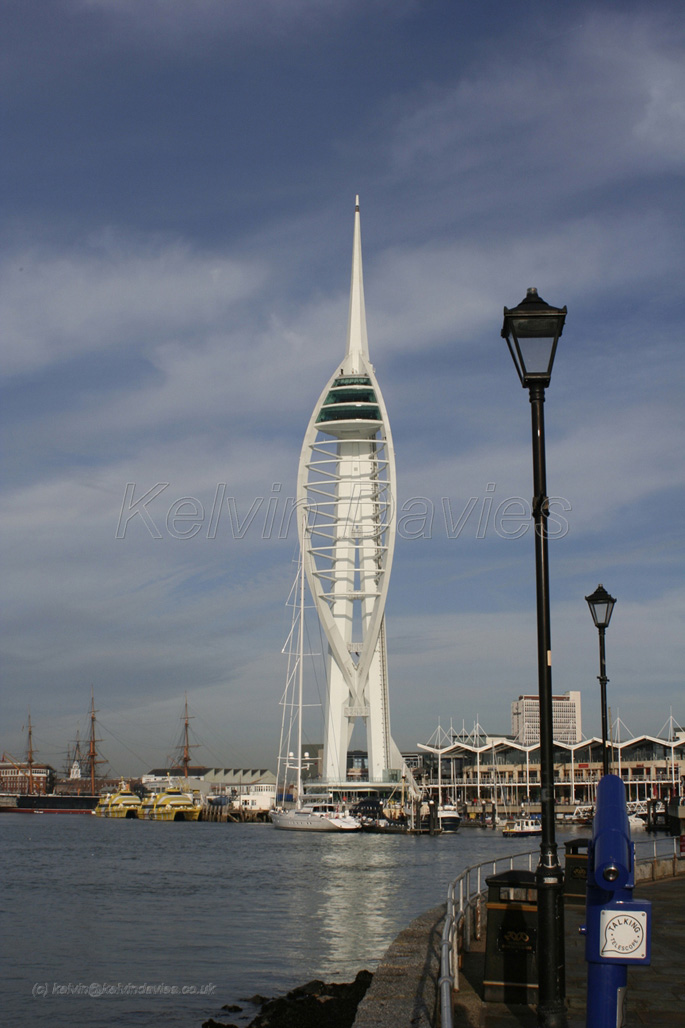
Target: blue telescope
{"type": "Point", "coordinates": [618, 928]}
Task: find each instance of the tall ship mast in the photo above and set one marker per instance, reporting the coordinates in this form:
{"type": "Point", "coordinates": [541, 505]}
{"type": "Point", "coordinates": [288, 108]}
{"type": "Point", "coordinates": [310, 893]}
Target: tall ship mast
{"type": "Point", "coordinates": [37, 795]}
{"type": "Point", "coordinates": [347, 488]}
{"type": "Point", "coordinates": [187, 745]}
{"type": "Point", "coordinates": [75, 759]}
{"type": "Point", "coordinates": [29, 755]}
{"type": "Point", "coordinates": [92, 758]}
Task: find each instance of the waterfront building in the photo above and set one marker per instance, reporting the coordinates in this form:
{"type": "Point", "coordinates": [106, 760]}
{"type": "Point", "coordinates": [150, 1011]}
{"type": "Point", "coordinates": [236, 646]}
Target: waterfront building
{"type": "Point", "coordinates": [25, 777]}
{"type": "Point", "coordinates": [346, 490]}
{"type": "Point", "coordinates": [241, 786]}
{"type": "Point", "coordinates": [500, 771]}
{"type": "Point", "coordinates": [566, 719]}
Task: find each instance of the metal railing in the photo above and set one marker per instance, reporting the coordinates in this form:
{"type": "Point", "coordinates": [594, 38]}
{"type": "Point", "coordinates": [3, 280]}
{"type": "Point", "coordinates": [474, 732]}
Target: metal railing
{"type": "Point", "coordinates": [465, 895]}
{"type": "Point", "coordinates": [463, 919]}
{"type": "Point", "coordinates": [656, 848]}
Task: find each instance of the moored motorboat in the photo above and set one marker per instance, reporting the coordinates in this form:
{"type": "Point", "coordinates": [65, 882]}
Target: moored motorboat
{"type": "Point", "coordinates": [449, 818]}
{"type": "Point", "coordinates": [374, 817]}
{"type": "Point", "coordinates": [583, 814]}
{"type": "Point", "coordinates": [522, 826]}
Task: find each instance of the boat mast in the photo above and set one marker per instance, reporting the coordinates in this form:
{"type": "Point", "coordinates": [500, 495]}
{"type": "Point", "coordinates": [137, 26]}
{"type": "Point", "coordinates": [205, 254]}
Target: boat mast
{"type": "Point", "coordinates": [186, 743]}
{"type": "Point", "coordinates": [300, 677]}
{"type": "Point", "coordinates": [29, 755]}
{"type": "Point", "coordinates": [76, 757]}
{"type": "Point", "coordinates": [92, 749]}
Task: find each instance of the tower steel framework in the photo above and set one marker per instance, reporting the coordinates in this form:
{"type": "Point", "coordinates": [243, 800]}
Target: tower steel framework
{"type": "Point", "coordinates": [347, 488]}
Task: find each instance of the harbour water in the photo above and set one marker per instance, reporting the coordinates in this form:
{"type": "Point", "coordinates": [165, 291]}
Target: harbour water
{"type": "Point", "coordinates": [132, 924]}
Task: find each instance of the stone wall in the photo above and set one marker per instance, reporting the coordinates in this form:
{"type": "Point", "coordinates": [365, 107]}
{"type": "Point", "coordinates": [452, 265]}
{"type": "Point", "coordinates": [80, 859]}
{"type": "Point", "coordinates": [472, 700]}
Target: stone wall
{"type": "Point", "coordinates": [661, 867]}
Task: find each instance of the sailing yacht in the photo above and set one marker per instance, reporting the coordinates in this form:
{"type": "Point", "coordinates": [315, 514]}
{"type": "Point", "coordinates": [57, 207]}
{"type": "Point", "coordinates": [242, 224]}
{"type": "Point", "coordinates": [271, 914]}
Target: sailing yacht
{"type": "Point", "coordinates": [315, 817]}
{"type": "Point", "coordinates": [318, 814]}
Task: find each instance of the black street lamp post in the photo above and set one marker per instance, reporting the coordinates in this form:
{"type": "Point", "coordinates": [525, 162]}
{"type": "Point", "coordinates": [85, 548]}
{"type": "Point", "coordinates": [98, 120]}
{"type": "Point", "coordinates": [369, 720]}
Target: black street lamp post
{"type": "Point", "coordinates": [532, 331]}
{"type": "Point", "coordinates": [601, 606]}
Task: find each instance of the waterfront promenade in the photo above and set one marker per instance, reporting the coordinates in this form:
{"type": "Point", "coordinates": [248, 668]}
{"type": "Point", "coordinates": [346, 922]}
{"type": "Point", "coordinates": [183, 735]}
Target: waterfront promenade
{"type": "Point", "coordinates": [404, 990]}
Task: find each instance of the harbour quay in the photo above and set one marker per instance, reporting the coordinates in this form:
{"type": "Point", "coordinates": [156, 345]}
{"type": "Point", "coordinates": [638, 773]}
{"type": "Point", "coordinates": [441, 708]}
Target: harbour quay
{"type": "Point", "coordinates": [225, 794]}
{"type": "Point", "coordinates": [405, 989]}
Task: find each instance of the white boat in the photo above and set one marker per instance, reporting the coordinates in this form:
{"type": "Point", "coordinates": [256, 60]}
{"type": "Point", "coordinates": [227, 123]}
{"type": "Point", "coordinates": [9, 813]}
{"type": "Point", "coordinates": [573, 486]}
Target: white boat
{"type": "Point", "coordinates": [315, 817]}
{"type": "Point", "coordinates": [449, 817]}
{"type": "Point", "coordinates": [522, 826]}
{"type": "Point", "coordinates": [637, 824]}
{"type": "Point", "coordinates": [313, 814]}
{"type": "Point", "coordinates": [583, 814]}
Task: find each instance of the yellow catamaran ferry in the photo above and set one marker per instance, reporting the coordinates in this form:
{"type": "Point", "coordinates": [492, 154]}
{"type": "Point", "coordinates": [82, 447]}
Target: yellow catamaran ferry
{"type": "Point", "coordinates": [169, 805]}
{"type": "Point", "coordinates": [123, 803]}
{"type": "Point", "coordinates": [164, 803]}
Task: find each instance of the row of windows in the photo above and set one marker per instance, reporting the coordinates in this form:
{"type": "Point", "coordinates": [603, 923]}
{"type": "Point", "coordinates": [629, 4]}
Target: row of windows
{"type": "Point", "coordinates": [355, 412]}
{"type": "Point", "coordinates": [352, 398]}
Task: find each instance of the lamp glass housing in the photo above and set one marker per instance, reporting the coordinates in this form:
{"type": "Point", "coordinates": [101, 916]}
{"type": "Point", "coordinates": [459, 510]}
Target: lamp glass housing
{"type": "Point", "coordinates": [601, 605]}
{"type": "Point", "coordinates": [532, 331]}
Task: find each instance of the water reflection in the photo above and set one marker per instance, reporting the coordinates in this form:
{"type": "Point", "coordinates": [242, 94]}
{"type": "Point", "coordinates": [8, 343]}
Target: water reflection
{"type": "Point", "coordinates": [355, 917]}
{"type": "Point", "coordinates": [246, 907]}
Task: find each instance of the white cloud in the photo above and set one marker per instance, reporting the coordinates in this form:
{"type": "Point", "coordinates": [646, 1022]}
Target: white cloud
{"type": "Point", "coordinates": [478, 663]}
{"type": "Point", "coordinates": [428, 294]}
{"type": "Point", "coordinates": [608, 103]}
{"type": "Point", "coordinates": [177, 22]}
{"type": "Point", "coordinates": [58, 306]}
{"type": "Point", "coordinates": [141, 359]}
{"type": "Point", "coordinates": [633, 462]}
{"type": "Point", "coordinates": [662, 128]}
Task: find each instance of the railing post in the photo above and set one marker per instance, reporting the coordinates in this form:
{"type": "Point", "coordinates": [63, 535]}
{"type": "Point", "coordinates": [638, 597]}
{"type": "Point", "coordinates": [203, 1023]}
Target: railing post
{"type": "Point", "coordinates": [454, 954]}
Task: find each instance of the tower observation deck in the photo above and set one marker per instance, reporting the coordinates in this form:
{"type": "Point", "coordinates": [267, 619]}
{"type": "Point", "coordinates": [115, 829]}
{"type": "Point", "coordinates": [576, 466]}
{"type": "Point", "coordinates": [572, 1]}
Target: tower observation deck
{"type": "Point", "coordinates": [347, 488]}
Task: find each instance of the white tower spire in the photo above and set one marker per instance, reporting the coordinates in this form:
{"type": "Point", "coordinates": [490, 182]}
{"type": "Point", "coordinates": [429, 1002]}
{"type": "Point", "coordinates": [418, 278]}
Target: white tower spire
{"type": "Point", "coordinates": [346, 485]}
{"type": "Point", "coordinates": [357, 339]}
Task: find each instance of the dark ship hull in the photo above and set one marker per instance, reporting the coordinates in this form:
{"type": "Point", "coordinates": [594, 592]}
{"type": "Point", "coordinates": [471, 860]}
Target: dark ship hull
{"type": "Point", "coordinates": [50, 804]}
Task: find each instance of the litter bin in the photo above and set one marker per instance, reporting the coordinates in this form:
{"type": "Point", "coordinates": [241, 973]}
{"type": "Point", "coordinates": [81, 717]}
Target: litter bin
{"type": "Point", "coordinates": [511, 942]}
{"type": "Point", "coordinates": [575, 872]}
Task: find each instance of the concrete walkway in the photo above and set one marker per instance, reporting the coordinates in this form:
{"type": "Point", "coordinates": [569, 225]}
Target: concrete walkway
{"type": "Point", "coordinates": [403, 993]}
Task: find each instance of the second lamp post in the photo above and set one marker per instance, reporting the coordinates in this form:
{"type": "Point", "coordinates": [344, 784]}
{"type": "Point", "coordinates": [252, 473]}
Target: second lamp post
{"type": "Point", "coordinates": [601, 606]}
{"type": "Point", "coordinates": [532, 331]}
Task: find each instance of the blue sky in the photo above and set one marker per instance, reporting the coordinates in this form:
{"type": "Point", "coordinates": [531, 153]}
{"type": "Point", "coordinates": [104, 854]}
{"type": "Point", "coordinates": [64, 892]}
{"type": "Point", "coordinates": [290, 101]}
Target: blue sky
{"type": "Point", "coordinates": [178, 187]}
